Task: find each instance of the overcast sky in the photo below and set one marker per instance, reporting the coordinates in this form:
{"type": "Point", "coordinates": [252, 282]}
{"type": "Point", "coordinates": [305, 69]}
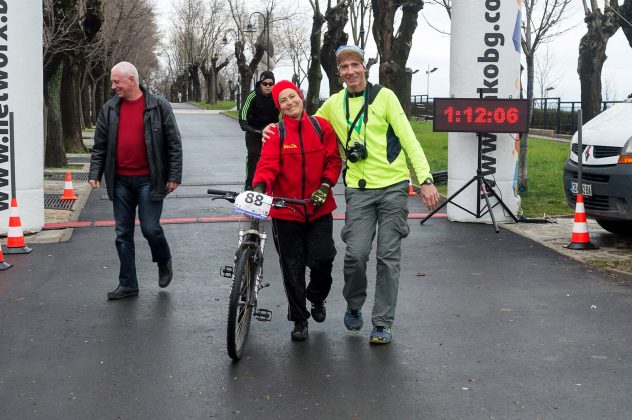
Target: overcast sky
{"type": "Point", "coordinates": [430, 48]}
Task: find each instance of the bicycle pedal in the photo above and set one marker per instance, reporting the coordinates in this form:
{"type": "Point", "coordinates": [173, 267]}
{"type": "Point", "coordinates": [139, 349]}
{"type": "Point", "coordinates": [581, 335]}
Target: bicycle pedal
{"type": "Point", "coordinates": [263, 315]}
{"type": "Point", "coordinates": [226, 271]}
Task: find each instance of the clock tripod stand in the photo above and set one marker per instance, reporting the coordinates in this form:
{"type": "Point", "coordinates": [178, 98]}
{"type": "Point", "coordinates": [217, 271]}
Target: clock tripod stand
{"type": "Point", "coordinates": [483, 187]}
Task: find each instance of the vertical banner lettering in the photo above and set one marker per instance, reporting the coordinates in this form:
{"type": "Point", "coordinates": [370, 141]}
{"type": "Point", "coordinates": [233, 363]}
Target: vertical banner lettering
{"type": "Point", "coordinates": [21, 113]}
{"type": "Point", "coordinates": [484, 61]}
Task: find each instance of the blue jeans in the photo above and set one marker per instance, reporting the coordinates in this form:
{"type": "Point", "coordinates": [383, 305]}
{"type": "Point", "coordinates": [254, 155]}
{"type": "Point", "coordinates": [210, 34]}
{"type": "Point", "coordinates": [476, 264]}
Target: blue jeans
{"type": "Point", "coordinates": [131, 192]}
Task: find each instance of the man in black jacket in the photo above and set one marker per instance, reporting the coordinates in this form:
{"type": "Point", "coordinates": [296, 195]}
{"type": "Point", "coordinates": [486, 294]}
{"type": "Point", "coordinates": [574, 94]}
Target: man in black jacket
{"type": "Point", "coordinates": [257, 112]}
{"type": "Point", "coordinates": [137, 146]}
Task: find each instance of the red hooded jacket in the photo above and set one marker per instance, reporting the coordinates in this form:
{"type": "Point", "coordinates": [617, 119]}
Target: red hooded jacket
{"type": "Point", "coordinates": [298, 167]}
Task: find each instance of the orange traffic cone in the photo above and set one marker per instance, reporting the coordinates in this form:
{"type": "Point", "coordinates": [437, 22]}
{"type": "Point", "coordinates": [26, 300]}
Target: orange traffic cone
{"type": "Point", "coordinates": [69, 191]}
{"type": "Point", "coordinates": [3, 264]}
{"type": "Point", "coordinates": [580, 240]}
{"type": "Point", "coordinates": [15, 237]}
{"type": "Point", "coordinates": [411, 191]}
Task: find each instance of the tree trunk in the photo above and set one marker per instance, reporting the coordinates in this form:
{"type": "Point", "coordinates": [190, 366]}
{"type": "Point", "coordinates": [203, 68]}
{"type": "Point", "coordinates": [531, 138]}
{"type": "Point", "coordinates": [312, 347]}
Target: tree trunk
{"type": "Point", "coordinates": [247, 70]}
{"type": "Point", "coordinates": [107, 90]}
{"type": "Point", "coordinates": [592, 55]}
{"type": "Point", "coordinates": [86, 105]}
{"type": "Point", "coordinates": [395, 48]}
{"type": "Point", "coordinates": [314, 75]}
{"type": "Point", "coordinates": [337, 18]}
{"type": "Point", "coordinates": [55, 155]}
{"type": "Point", "coordinates": [70, 109]}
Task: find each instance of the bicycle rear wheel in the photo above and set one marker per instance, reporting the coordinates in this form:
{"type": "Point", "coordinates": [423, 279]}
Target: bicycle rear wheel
{"type": "Point", "coordinates": [242, 303]}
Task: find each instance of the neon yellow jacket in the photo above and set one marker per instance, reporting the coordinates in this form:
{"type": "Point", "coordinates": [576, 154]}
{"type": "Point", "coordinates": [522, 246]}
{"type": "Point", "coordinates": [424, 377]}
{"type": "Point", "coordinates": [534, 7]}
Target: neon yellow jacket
{"type": "Point", "coordinates": [387, 134]}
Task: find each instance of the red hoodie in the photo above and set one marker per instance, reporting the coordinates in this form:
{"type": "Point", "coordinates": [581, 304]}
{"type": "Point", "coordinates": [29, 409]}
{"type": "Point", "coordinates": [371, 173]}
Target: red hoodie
{"type": "Point", "coordinates": [298, 167]}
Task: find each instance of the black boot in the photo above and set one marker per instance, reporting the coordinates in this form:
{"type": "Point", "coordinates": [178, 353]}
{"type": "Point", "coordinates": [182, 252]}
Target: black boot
{"type": "Point", "coordinates": [122, 293]}
{"type": "Point", "coordinates": [299, 333]}
{"type": "Point", "coordinates": [165, 273]}
{"type": "Point", "coordinates": [319, 313]}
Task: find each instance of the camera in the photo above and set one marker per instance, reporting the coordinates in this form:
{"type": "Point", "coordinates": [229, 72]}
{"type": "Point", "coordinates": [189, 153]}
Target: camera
{"type": "Point", "coordinates": [356, 152]}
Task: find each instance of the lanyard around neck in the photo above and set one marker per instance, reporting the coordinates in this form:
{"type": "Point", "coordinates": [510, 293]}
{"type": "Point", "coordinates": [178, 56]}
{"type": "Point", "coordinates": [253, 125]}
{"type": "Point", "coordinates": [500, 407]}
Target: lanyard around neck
{"type": "Point", "coordinates": [357, 117]}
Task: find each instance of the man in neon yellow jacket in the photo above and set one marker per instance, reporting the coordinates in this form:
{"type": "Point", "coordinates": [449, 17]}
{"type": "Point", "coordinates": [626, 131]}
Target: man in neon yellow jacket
{"type": "Point", "coordinates": [377, 138]}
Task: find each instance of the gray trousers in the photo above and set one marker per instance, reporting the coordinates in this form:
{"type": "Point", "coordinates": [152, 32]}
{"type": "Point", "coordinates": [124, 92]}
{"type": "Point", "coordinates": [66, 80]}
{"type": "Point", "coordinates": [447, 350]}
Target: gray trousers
{"type": "Point", "coordinates": [387, 210]}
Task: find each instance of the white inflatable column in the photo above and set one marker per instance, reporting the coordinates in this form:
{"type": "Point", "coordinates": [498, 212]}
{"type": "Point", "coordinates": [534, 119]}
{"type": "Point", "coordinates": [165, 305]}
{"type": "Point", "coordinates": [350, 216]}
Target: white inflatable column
{"type": "Point", "coordinates": [484, 58]}
{"type": "Point", "coordinates": [21, 113]}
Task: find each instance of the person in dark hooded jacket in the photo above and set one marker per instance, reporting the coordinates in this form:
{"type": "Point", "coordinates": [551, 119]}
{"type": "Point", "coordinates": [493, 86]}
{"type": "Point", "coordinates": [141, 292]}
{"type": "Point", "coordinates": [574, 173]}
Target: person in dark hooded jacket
{"type": "Point", "coordinates": [301, 161]}
{"type": "Point", "coordinates": [257, 111]}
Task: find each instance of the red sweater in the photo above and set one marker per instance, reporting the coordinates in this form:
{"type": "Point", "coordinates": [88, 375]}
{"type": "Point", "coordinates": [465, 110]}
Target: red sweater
{"type": "Point", "coordinates": [131, 150]}
{"type": "Point", "coordinates": [299, 167]}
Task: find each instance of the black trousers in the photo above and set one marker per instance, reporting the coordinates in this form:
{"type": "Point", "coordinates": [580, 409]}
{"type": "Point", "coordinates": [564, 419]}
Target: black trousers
{"type": "Point", "coordinates": [302, 245]}
{"type": "Point", "coordinates": [253, 146]}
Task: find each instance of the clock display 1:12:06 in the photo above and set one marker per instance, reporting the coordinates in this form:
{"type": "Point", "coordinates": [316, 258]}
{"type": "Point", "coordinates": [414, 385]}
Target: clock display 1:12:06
{"type": "Point", "coordinates": [481, 115]}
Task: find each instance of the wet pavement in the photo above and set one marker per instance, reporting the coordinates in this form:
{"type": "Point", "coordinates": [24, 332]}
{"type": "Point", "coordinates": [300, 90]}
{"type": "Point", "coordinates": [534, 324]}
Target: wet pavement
{"type": "Point", "coordinates": [488, 326]}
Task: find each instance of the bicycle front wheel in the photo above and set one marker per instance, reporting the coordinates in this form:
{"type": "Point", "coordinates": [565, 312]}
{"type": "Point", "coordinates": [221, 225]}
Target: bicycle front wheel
{"type": "Point", "coordinates": [242, 303]}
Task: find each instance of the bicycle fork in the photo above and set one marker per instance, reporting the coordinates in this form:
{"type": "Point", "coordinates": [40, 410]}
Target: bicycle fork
{"type": "Point", "coordinates": [228, 271]}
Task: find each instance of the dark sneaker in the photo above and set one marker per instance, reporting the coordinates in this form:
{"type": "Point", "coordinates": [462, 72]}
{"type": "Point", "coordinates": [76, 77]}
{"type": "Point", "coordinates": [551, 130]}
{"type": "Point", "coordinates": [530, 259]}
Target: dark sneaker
{"type": "Point", "coordinates": [299, 333]}
{"type": "Point", "coordinates": [380, 335]}
{"type": "Point", "coordinates": [122, 293]}
{"type": "Point", "coordinates": [353, 320]}
{"type": "Point", "coordinates": [319, 313]}
{"type": "Point", "coordinates": [165, 273]}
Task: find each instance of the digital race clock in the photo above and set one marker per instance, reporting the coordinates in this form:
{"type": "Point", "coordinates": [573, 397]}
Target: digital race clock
{"type": "Point", "coordinates": [480, 115]}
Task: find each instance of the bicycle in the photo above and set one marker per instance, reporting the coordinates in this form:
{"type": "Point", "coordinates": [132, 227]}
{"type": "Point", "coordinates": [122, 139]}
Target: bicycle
{"type": "Point", "coordinates": [247, 269]}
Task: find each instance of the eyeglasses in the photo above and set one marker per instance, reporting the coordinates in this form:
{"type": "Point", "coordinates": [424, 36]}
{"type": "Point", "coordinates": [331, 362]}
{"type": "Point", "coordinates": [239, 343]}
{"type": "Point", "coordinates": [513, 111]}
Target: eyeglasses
{"type": "Point", "coordinates": [267, 83]}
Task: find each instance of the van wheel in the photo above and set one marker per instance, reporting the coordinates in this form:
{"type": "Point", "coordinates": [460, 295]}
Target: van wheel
{"type": "Point", "coordinates": [623, 228]}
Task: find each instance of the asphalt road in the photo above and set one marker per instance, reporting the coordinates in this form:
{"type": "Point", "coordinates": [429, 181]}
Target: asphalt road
{"type": "Point", "coordinates": [489, 326]}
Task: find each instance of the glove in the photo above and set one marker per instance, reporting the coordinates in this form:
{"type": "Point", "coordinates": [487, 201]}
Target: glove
{"type": "Point", "coordinates": [259, 188]}
{"type": "Point", "coordinates": [319, 196]}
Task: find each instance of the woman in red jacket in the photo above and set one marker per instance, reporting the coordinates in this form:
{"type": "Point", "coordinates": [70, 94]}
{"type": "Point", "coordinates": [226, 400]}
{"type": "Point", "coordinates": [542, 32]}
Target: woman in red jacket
{"type": "Point", "coordinates": [301, 160]}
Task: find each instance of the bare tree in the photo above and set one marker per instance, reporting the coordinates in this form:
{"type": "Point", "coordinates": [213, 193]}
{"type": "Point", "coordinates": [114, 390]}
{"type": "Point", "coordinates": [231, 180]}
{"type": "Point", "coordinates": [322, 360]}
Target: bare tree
{"type": "Point", "coordinates": [601, 26]}
{"type": "Point", "coordinates": [246, 69]}
{"type": "Point", "coordinates": [314, 75]}
{"type": "Point", "coordinates": [446, 4]}
{"type": "Point", "coordinates": [335, 36]}
{"type": "Point", "coordinates": [361, 17]}
{"type": "Point", "coordinates": [69, 25]}
{"type": "Point", "coordinates": [541, 24]}
{"type": "Point", "coordinates": [297, 48]}
{"type": "Point", "coordinates": [609, 87]}
{"type": "Point", "coordinates": [545, 77]}
{"type": "Point", "coordinates": [394, 46]}
{"type": "Point", "coordinates": [624, 16]}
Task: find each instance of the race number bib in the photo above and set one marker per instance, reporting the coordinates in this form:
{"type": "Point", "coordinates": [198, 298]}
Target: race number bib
{"type": "Point", "coordinates": [253, 204]}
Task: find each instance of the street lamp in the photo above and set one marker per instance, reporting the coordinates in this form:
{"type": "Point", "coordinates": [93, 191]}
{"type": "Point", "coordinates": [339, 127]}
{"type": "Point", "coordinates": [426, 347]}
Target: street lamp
{"type": "Point", "coordinates": [266, 27]}
{"type": "Point", "coordinates": [547, 90]}
{"type": "Point", "coordinates": [428, 80]}
{"type": "Point", "coordinates": [225, 38]}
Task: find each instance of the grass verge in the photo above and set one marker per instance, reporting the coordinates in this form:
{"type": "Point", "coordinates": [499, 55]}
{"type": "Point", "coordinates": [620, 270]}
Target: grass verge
{"type": "Point", "coordinates": [545, 165]}
{"type": "Point", "coordinates": [220, 105]}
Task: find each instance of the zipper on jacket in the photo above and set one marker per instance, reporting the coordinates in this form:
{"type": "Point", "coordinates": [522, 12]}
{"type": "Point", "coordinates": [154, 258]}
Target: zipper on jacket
{"type": "Point", "coordinates": [300, 139]}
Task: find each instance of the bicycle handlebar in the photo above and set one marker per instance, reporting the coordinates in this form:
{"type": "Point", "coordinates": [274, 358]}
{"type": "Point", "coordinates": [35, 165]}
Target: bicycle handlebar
{"type": "Point", "coordinates": [276, 201]}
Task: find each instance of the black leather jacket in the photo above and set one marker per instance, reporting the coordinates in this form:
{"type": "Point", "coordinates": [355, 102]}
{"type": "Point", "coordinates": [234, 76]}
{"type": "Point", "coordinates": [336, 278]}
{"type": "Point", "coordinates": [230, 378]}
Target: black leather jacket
{"type": "Point", "coordinates": [162, 138]}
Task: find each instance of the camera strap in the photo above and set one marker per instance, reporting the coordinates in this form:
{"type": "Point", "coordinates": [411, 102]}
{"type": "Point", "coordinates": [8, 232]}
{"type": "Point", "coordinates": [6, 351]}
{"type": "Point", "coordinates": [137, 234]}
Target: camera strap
{"type": "Point", "coordinates": [357, 117]}
{"type": "Point", "coordinates": [369, 94]}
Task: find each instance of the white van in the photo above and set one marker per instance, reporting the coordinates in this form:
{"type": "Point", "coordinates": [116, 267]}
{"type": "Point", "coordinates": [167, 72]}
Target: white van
{"type": "Point", "coordinates": [606, 168]}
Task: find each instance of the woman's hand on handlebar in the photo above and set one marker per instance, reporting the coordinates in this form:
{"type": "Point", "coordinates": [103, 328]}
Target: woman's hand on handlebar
{"type": "Point", "coordinates": [267, 132]}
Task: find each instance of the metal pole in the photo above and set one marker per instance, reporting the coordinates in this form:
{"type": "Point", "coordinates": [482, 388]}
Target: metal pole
{"type": "Point", "coordinates": [267, 26]}
{"type": "Point", "coordinates": [428, 83]}
{"type": "Point", "coordinates": [580, 190]}
{"type": "Point", "coordinates": [557, 116]}
{"type": "Point", "coordinates": [362, 24]}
